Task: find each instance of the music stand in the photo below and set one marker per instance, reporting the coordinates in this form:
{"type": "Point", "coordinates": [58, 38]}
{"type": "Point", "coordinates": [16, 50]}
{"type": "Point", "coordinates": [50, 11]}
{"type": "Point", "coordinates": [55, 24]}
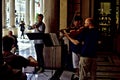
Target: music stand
{"type": "Point", "coordinates": [44, 36]}
{"type": "Point", "coordinates": [35, 36]}
{"type": "Point", "coordinates": [49, 39]}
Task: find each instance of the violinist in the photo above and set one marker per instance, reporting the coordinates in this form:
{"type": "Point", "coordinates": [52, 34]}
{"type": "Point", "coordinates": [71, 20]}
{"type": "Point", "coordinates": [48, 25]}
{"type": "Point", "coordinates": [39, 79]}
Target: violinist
{"type": "Point", "coordinates": [75, 49]}
{"type": "Point", "coordinates": [75, 28]}
{"type": "Point", "coordinates": [39, 27]}
{"type": "Point", "coordinates": [89, 38]}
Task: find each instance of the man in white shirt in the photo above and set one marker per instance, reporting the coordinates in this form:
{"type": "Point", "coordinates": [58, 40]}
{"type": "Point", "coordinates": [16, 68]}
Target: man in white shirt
{"type": "Point", "coordinates": [39, 27]}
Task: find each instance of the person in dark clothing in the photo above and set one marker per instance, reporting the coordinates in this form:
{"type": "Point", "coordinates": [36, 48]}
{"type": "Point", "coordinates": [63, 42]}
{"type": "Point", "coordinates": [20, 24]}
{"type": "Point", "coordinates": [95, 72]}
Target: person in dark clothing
{"type": "Point", "coordinates": [15, 61]}
{"type": "Point", "coordinates": [6, 71]}
{"type": "Point", "coordinates": [89, 38]}
{"type": "Point", "coordinates": [22, 28]}
{"type": "Point", "coordinates": [15, 48]}
{"type": "Point", "coordinates": [75, 49]}
{"type": "Point", "coordinates": [39, 27]}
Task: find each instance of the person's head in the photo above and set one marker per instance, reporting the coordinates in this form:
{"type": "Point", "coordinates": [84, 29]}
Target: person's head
{"type": "Point", "coordinates": [8, 43]}
{"type": "Point", "coordinates": [40, 17]}
{"type": "Point", "coordinates": [10, 33]}
{"type": "Point", "coordinates": [89, 22]}
{"type": "Point", "coordinates": [22, 21]}
{"type": "Point", "coordinates": [77, 21]}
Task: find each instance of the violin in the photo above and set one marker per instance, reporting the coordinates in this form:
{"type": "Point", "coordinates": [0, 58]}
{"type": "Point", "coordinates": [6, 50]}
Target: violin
{"type": "Point", "coordinates": [38, 24]}
{"type": "Point", "coordinates": [68, 30]}
{"type": "Point", "coordinates": [74, 33]}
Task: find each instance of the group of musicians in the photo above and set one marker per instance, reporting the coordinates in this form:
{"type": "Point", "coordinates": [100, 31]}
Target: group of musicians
{"type": "Point", "coordinates": [82, 44]}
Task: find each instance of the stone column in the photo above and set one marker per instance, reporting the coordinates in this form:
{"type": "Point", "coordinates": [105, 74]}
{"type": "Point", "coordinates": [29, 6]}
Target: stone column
{"type": "Point", "coordinates": [27, 12]}
{"type": "Point", "coordinates": [51, 15]}
{"type": "Point", "coordinates": [41, 6]}
{"type": "Point", "coordinates": [46, 13]}
{"type": "Point", "coordinates": [63, 18]}
{"type": "Point", "coordinates": [51, 19]}
{"type": "Point", "coordinates": [4, 13]}
{"type": "Point", "coordinates": [12, 13]}
{"type": "Point", "coordinates": [32, 12]}
{"type": "Point", "coordinates": [87, 8]}
{"type": "Point", "coordinates": [63, 14]}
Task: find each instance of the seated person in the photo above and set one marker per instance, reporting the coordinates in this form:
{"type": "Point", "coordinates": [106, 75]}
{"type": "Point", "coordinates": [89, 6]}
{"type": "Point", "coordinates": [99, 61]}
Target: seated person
{"type": "Point", "coordinates": [15, 48]}
{"type": "Point", "coordinates": [8, 73]}
{"type": "Point", "coordinates": [15, 61]}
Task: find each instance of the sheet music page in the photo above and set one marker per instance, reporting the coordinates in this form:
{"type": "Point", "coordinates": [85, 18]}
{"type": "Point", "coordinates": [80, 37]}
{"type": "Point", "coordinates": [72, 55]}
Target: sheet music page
{"type": "Point", "coordinates": [54, 39]}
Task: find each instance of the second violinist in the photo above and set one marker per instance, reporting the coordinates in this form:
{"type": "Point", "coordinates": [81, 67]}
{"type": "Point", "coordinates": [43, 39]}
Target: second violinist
{"type": "Point", "coordinates": [75, 49]}
{"type": "Point", "coordinates": [77, 26]}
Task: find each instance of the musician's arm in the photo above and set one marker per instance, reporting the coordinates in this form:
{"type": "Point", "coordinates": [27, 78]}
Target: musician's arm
{"type": "Point", "coordinates": [33, 26]}
{"type": "Point", "coordinates": [41, 29]}
{"type": "Point", "coordinates": [74, 41]}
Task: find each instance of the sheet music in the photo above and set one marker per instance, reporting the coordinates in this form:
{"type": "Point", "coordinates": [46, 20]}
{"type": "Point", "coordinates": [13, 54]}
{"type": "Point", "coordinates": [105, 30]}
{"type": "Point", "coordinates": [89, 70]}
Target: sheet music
{"type": "Point", "coordinates": [54, 39]}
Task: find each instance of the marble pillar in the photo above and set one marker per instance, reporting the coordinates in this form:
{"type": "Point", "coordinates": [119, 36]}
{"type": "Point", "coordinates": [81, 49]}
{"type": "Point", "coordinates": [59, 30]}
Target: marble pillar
{"type": "Point", "coordinates": [63, 14]}
{"type": "Point", "coordinates": [3, 13]}
{"type": "Point", "coordinates": [12, 13]}
{"type": "Point", "coordinates": [32, 12]}
{"type": "Point", "coordinates": [51, 13]}
{"type": "Point", "coordinates": [27, 12]}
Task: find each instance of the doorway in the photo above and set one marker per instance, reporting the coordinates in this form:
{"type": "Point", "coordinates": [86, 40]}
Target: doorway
{"type": "Point", "coordinates": [105, 17]}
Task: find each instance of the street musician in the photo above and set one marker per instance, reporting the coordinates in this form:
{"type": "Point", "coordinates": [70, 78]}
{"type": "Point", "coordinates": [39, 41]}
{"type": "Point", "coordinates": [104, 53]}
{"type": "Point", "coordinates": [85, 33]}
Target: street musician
{"type": "Point", "coordinates": [73, 32]}
{"type": "Point", "coordinates": [39, 27]}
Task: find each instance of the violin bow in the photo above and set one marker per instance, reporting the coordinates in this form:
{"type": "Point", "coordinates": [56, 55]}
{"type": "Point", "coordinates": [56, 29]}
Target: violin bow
{"type": "Point", "coordinates": [73, 19]}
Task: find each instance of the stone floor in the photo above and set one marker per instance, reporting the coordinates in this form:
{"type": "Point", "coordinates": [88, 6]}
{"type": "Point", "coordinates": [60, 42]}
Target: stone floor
{"type": "Point", "coordinates": [108, 64]}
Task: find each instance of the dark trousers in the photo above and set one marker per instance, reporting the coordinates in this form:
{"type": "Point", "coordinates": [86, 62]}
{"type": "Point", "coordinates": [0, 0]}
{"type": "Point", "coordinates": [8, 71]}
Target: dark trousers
{"type": "Point", "coordinates": [22, 34]}
{"type": "Point", "coordinates": [39, 53]}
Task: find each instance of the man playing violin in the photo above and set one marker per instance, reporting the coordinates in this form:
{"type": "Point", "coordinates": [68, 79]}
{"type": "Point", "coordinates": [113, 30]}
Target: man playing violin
{"type": "Point", "coordinates": [39, 27]}
{"type": "Point", "coordinates": [75, 49]}
{"type": "Point", "coordinates": [87, 62]}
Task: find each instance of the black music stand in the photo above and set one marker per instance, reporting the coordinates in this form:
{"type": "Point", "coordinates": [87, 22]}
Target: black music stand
{"type": "Point", "coordinates": [35, 36]}
{"type": "Point", "coordinates": [44, 36]}
{"type": "Point", "coordinates": [38, 36]}
{"type": "Point", "coordinates": [49, 39]}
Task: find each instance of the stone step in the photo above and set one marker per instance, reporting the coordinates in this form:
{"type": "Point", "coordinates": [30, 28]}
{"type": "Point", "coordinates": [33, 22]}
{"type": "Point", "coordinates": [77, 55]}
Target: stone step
{"type": "Point", "coordinates": [106, 76]}
{"type": "Point", "coordinates": [108, 69]}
